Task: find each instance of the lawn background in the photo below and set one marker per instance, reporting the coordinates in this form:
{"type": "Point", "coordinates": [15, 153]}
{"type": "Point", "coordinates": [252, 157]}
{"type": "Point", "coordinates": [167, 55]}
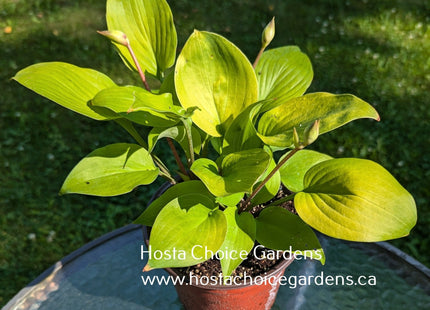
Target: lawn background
{"type": "Point", "coordinates": [377, 50]}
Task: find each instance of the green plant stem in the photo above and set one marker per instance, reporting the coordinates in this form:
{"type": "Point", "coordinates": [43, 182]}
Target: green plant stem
{"type": "Point", "coordinates": [177, 158]}
{"type": "Point", "coordinates": [128, 126]}
{"type": "Point", "coordinates": [164, 172]}
{"type": "Point", "coordinates": [247, 204]}
{"type": "Point", "coordinates": [139, 69]}
{"type": "Point", "coordinates": [163, 168]}
{"type": "Point", "coordinates": [168, 177]}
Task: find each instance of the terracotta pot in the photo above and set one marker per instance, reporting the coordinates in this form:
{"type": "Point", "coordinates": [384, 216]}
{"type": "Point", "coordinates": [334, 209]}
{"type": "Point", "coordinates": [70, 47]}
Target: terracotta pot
{"type": "Point", "coordinates": [256, 296]}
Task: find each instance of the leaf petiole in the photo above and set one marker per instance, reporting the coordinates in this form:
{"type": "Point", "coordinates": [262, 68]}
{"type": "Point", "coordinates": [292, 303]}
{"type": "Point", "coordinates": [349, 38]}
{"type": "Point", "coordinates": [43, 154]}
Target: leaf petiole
{"type": "Point", "coordinates": [139, 69]}
{"type": "Point", "coordinates": [247, 204]}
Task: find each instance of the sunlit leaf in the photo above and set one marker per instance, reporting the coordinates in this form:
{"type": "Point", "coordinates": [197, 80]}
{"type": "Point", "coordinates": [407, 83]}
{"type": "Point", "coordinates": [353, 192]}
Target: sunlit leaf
{"type": "Point", "coordinates": [137, 105]}
{"type": "Point", "coordinates": [194, 233]}
{"type": "Point", "coordinates": [242, 135]}
{"type": "Point", "coordinates": [183, 192]}
{"type": "Point", "coordinates": [230, 200]}
{"type": "Point", "coordinates": [111, 170]}
{"type": "Point", "coordinates": [357, 200]}
{"type": "Point", "coordinates": [66, 84]}
{"type": "Point", "coordinates": [149, 27]}
{"type": "Point", "coordinates": [275, 127]}
{"type": "Point", "coordinates": [179, 134]}
{"type": "Point", "coordinates": [239, 239]}
{"type": "Point", "coordinates": [238, 171]}
{"type": "Point", "coordinates": [271, 187]}
{"type": "Point", "coordinates": [293, 171]}
{"type": "Point", "coordinates": [214, 75]}
{"type": "Point", "coordinates": [283, 73]}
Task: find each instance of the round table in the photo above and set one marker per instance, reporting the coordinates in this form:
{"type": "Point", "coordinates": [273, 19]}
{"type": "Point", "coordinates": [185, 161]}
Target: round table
{"type": "Point", "coordinates": [107, 274]}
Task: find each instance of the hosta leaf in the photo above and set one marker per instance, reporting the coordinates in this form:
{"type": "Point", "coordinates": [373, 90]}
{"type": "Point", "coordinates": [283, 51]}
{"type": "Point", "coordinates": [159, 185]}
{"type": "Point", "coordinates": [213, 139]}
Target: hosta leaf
{"type": "Point", "coordinates": [283, 73]}
{"type": "Point", "coordinates": [230, 200]}
{"type": "Point", "coordinates": [192, 233]}
{"type": "Point", "coordinates": [216, 143]}
{"type": "Point", "coordinates": [111, 170]}
{"type": "Point", "coordinates": [138, 105]}
{"type": "Point", "coordinates": [179, 134]}
{"type": "Point", "coordinates": [129, 127]}
{"type": "Point", "coordinates": [272, 186]}
{"type": "Point", "coordinates": [238, 172]}
{"type": "Point", "coordinates": [357, 200]}
{"type": "Point", "coordinates": [181, 191]}
{"type": "Point", "coordinates": [150, 29]}
{"type": "Point", "coordinates": [168, 86]}
{"type": "Point", "coordinates": [279, 229]}
{"type": "Point", "coordinates": [276, 126]}
{"type": "Point", "coordinates": [214, 75]}
{"type": "Point", "coordinates": [239, 239]}
{"type": "Point", "coordinates": [242, 135]}
{"type": "Point", "coordinates": [293, 171]}
{"type": "Point", "coordinates": [66, 84]}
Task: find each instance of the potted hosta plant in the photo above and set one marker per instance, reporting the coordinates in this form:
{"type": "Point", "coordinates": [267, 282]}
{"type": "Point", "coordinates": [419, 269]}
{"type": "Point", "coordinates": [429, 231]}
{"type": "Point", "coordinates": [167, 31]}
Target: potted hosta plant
{"type": "Point", "coordinates": [245, 183]}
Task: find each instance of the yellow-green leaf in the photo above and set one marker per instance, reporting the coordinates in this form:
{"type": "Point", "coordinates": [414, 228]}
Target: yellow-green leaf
{"type": "Point", "coordinates": [294, 170]}
{"type": "Point", "coordinates": [194, 234]}
{"type": "Point", "coordinates": [283, 73]}
{"type": "Point", "coordinates": [242, 135]}
{"type": "Point", "coordinates": [357, 200]}
{"type": "Point", "coordinates": [239, 239]}
{"type": "Point", "coordinates": [179, 134]}
{"type": "Point", "coordinates": [137, 105]}
{"type": "Point", "coordinates": [271, 188]}
{"type": "Point", "coordinates": [276, 126]}
{"type": "Point", "coordinates": [66, 84]}
{"type": "Point", "coordinates": [149, 27]}
{"type": "Point", "coordinates": [111, 170]}
{"type": "Point", "coordinates": [237, 174]}
{"type": "Point", "coordinates": [180, 191]}
{"type": "Point", "coordinates": [214, 75]}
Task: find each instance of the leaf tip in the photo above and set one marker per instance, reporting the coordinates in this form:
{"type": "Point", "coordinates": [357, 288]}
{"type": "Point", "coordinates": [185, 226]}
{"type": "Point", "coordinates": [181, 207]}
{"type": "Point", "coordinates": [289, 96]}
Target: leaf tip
{"type": "Point", "coordinates": [146, 268]}
{"type": "Point", "coordinates": [378, 118]}
{"type": "Point", "coordinates": [196, 32]}
{"type": "Point", "coordinates": [63, 191]}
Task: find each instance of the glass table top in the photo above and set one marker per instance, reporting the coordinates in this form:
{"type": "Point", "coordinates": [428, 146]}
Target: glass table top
{"type": "Point", "coordinates": [107, 274]}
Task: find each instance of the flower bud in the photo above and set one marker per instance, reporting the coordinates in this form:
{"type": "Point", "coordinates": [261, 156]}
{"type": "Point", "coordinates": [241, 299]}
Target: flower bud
{"type": "Point", "coordinates": [268, 33]}
{"type": "Point", "coordinates": [312, 132]}
{"type": "Point", "coordinates": [116, 36]}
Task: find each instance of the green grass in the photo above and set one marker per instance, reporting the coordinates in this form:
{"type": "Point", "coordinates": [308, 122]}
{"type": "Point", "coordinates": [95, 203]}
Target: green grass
{"type": "Point", "coordinates": [377, 50]}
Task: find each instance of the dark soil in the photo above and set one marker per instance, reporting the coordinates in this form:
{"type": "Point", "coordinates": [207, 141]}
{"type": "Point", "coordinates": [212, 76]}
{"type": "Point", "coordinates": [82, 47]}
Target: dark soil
{"type": "Point", "coordinates": [252, 266]}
